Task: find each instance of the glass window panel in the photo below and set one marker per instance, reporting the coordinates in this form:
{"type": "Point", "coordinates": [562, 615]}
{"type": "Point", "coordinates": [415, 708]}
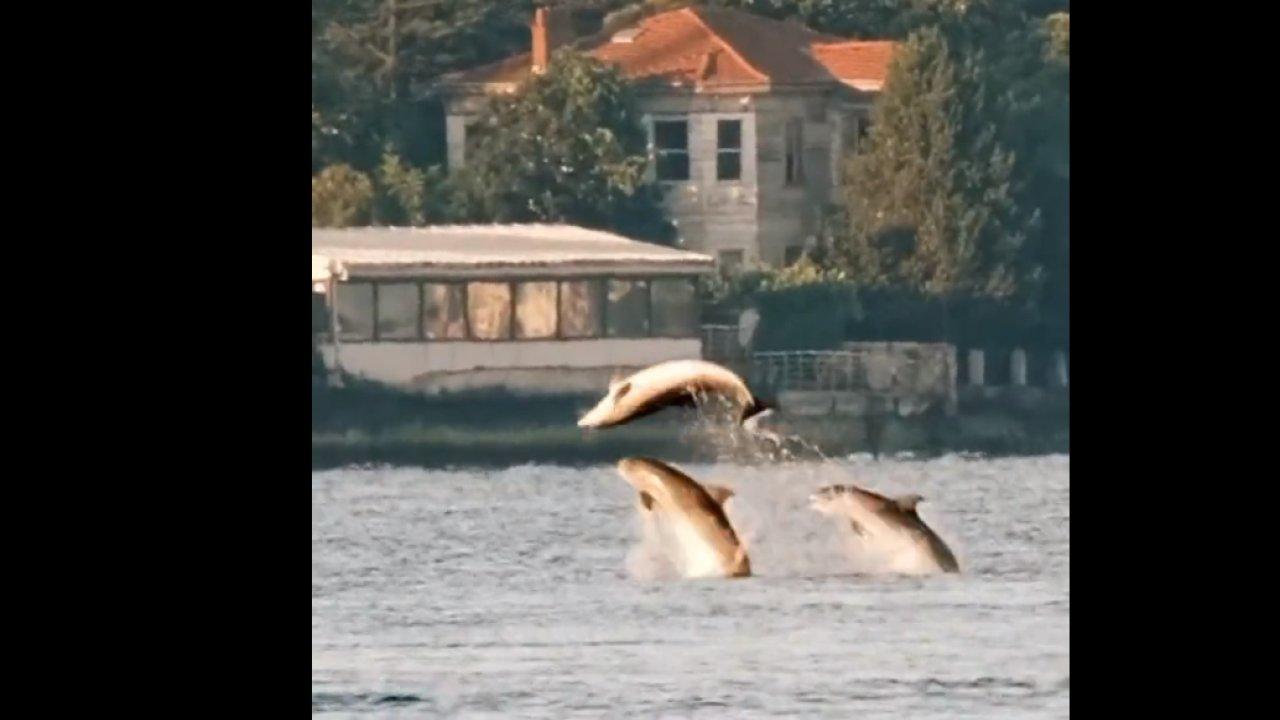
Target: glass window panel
{"type": "Point", "coordinates": [397, 311]}
{"type": "Point", "coordinates": [675, 308]}
{"type": "Point", "coordinates": [443, 312]}
{"type": "Point", "coordinates": [729, 135]}
{"type": "Point", "coordinates": [319, 314]}
{"type": "Point", "coordinates": [581, 308]}
{"type": "Point", "coordinates": [536, 310]}
{"type": "Point", "coordinates": [795, 151]}
{"type": "Point", "coordinates": [489, 309]}
{"type": "Point", "coordinates": [673, 166]}
{"type": "Point", "coordinates": [728, 165]}
{"type": "Point", "coordinates": [671, 134]}
{"type": "Point", "coordinates": [355, 311]}
{"type": "Point", "coordinates": [628, 314]}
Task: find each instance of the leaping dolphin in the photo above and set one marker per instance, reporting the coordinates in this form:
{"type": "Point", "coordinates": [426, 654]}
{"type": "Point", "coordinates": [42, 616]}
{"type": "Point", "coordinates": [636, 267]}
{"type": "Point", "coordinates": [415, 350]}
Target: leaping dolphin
{"type": "Point", "coordinates": [708, 545]}
{"type": "Point", "coordinates": [667, 384]}
{"type": "Point", "coordinates": [888, 525]}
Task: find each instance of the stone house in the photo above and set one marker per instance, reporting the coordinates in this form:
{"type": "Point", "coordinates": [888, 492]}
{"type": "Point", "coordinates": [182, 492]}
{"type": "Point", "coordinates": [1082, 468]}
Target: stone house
{"type": "Point", "coordinates": [748, 117]}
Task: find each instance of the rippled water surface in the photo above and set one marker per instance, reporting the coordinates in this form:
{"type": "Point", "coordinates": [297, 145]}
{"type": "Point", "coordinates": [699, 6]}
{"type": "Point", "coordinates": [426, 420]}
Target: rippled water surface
{"type": "Point", "coordinates": [521, 593]}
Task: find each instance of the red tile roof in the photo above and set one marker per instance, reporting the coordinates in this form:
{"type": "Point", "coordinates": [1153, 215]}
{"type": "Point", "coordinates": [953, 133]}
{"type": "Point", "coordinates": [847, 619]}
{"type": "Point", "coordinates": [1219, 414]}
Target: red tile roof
{"type": "Point", "coordinates": [719, 48]}
{"type": "Point", "coordinates": [860, 63]}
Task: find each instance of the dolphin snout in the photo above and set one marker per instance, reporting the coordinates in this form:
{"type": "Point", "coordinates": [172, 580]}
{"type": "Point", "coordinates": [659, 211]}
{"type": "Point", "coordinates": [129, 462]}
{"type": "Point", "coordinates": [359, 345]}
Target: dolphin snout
{"type": "Point", "coordinates": [630, 465]}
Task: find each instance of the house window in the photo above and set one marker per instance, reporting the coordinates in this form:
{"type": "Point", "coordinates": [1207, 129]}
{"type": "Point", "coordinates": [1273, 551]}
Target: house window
{"type": "Point", "coordinates": [671, 145]}
{"type": "Point", "coordinates": [470, 137]}
{"type": "Point", "coordinates": [730, 260]}
{"type": "Point", "coordinates": [535, 310]}
{"type": "Point", "coordinates": [628, 310]}
{"type": "Point", "coordinates": [795, 151]}
{"type": "Point", "coordinates": [864, 129]}
{"type": "Point", "coordinates": [355, 311]}
{"type": "Point", "coordinates": [397, 310]}
{"type": "Point", "coordinates": [675, 308]}
{"type": "Point", "coordinates": [489, 310]}
{"type": "Point", "coordinates": [729, 150]}
{"type": "Point", "coordinates": [581, 308]}
{"type": "Point", "coordinates": [791, 255]}
{"type": "Point", "coordinates": [443, 312]}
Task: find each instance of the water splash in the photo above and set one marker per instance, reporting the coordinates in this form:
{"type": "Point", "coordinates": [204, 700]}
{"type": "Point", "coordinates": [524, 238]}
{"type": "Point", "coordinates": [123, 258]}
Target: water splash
{"type": "Point", "coordinates": [782, 534]}
{"type": "Point", "coordinates": [650, 559]}
{"type": "Point", "coordinates": [717, 432]}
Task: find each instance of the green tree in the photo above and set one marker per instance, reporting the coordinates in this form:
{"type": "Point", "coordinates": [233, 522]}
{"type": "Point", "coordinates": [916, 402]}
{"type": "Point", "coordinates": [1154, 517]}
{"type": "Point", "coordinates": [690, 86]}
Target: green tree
{"type": "Point", "coordinates": [568, 147]}
{"type": "Point", "coordinates": [931, 202]}
{"type": "Point", "coordinates": [406, 195]}
{"type": "Point", "coordinates": [340, 197]}
{"type": "Point", "coordinates": [879, 19]}
{"type": "Point", "coordinates": [370, 57]}
{"type": "Point", "coordinates": [402, 192]}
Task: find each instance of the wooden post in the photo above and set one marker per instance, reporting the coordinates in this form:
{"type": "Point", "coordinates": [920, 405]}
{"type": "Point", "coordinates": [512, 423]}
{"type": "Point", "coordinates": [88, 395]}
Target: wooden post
{"type": "Point", "coordinates": [335, 373]}
{"type": "Point", "coordinates": [1018, 367]}
{"type": "Point", "coordinates": [976, 367]}
{"type": "Point", "coordinates": [1059, 369]}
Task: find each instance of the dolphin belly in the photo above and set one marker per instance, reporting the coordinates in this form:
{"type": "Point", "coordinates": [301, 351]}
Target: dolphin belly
{"type": "Point", "coordinates": [697, 556]}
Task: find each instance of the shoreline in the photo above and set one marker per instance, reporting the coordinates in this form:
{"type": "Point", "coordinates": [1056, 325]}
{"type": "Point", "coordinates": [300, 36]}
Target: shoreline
{"type": "Point", "coordinates": [502, 444]}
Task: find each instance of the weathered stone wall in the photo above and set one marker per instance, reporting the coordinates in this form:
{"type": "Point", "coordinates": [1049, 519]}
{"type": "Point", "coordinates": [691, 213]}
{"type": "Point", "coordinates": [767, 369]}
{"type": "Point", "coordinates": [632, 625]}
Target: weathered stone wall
{"type": "Point", "coordinates": [891, 378]}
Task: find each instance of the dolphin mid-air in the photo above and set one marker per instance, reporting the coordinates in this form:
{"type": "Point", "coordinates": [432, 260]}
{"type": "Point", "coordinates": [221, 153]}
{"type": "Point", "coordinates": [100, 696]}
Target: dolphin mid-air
{"type": "Point", "coordinates": [669, 384]}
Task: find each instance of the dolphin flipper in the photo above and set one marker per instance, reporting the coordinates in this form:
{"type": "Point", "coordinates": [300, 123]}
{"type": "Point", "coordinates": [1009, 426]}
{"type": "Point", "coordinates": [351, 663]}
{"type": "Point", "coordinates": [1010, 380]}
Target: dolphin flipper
{"type": "Point", "coordinates": [719, 493]}
{"type": "Point", "coordinates": [646, 501]}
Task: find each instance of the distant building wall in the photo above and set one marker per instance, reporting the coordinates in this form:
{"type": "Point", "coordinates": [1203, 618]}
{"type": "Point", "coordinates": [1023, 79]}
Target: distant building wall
{"type": "Point", "coordinates": [861, 378]}
{"type": "Point", "coordinates": [764, 216]}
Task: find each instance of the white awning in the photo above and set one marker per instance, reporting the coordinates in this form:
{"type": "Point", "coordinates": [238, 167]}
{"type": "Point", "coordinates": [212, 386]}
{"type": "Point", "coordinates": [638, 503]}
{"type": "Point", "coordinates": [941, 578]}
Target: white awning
{"type": "Point", "coordinates": [496, 251]}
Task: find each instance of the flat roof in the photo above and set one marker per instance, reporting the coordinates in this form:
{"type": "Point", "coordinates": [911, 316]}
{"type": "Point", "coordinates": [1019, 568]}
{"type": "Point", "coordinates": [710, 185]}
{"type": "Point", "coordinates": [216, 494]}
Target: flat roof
{"type": "Point", "coordinates": [492, 251]}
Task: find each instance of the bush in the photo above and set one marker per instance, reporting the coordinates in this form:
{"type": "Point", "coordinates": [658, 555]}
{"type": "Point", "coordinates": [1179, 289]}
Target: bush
{"type": "Point", "coordinates": [341, 196]}
{"type": "Point", "coordinates": [803, 308]}
{"type": "Point", "coordinates": [806, 317]}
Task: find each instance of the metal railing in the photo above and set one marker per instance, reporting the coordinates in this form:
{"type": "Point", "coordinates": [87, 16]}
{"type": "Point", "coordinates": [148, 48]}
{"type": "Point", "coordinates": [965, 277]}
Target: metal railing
{"type": "Point", "coordinates": [720, 344]}
{"type": "Point", "coordinates": [835, 370]}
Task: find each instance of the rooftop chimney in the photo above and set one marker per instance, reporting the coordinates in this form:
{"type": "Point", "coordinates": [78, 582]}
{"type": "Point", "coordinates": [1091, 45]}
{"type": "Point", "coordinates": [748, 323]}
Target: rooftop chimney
{"type": "Point", "coordinates": [559, 26]}
{"type": "Point", "coordinates": [541, 41]}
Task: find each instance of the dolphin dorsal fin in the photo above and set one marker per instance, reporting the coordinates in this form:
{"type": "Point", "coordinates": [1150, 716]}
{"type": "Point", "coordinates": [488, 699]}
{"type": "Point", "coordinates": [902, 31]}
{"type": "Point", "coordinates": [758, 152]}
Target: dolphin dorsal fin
{"type": "Point", "coordinates": [907, 503]}
{"type": "Point", "coordinates": [719, 493]}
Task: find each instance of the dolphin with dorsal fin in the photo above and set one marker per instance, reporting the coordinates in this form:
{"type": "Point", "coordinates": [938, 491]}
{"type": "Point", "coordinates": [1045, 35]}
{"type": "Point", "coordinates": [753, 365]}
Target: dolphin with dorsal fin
{"type": "Point", "coordinates": [670, 384]}
{"type": "Point", "coordinates": [889, 524]}
{"type": "Point", "coordinates": [707, 543]}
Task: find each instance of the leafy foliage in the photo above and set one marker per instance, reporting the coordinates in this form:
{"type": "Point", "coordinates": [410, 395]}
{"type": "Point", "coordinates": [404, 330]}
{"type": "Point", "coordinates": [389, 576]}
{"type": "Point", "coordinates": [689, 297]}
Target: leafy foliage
{"type": "Point", "coordinates": [930, 204]}
{"type": "Point", "coordinates": [407, 195]}
{"type": "Point", "coordinates": [341, 196]}
{"type": "Point", "coordinates": [568, 147]}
